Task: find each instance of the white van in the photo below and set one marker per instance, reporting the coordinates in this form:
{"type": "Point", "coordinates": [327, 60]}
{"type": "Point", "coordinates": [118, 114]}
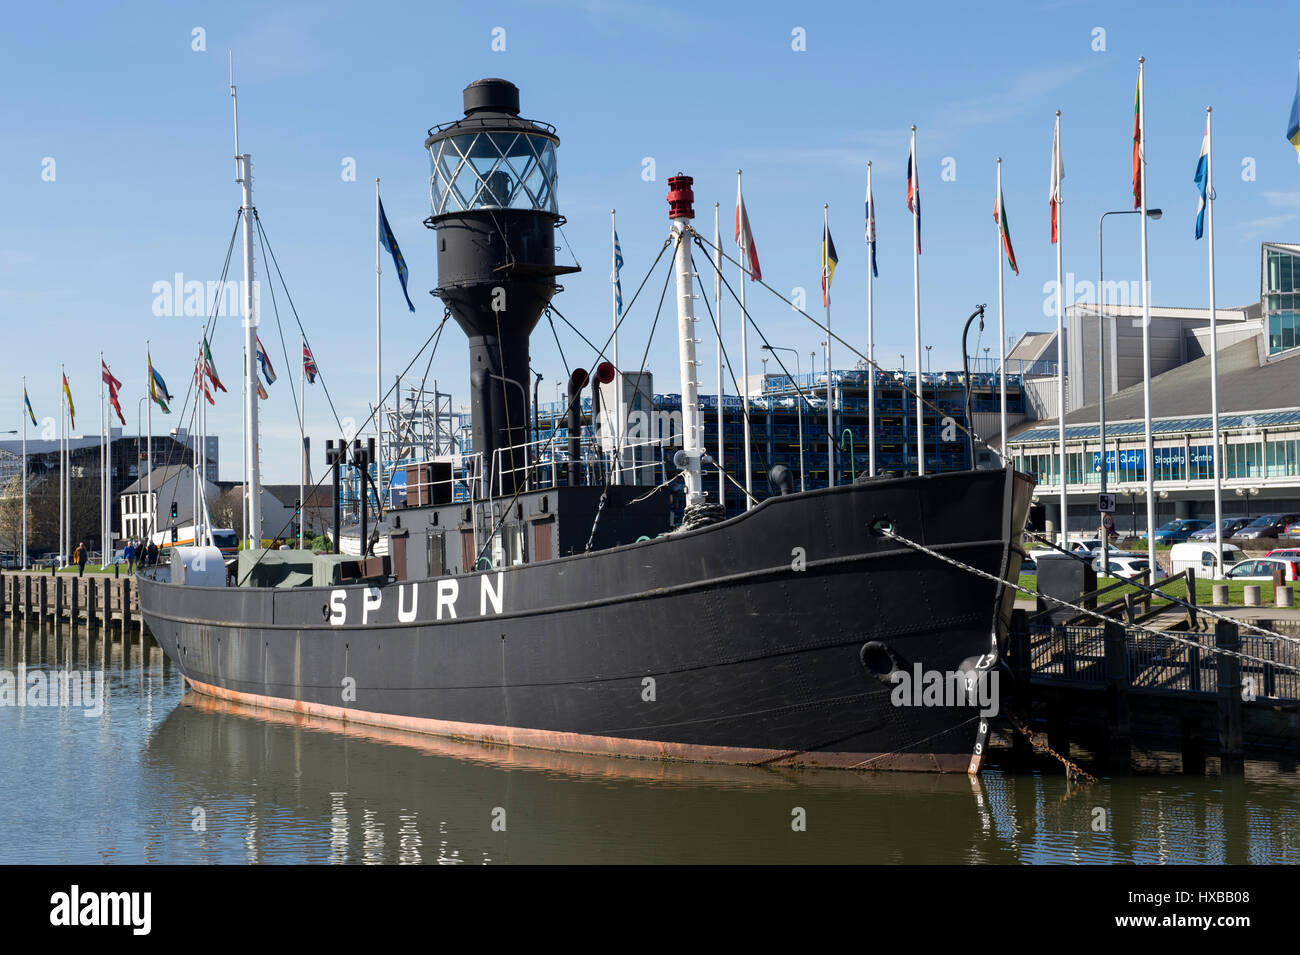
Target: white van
{"type": "Point", "coordinates": [1199, 556]}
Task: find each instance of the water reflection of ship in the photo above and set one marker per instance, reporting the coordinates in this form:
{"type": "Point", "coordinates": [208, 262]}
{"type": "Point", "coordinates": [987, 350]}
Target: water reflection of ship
{"type": "Point", "coordinates": [354, 793]}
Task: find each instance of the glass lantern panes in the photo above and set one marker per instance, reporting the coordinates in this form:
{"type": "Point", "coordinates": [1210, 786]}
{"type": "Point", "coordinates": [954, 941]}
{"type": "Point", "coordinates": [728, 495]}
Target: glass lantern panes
{"type": "Point", "coordinates": [501, 170]}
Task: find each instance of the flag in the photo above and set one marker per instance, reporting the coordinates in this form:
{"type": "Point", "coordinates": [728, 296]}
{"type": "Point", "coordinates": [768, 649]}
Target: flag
{"type": "Point", "coordinates": [1202, 179]}
{"type": "Point", "coordinates": [267, 371]}
{"type": "Point", "coordinates": [210, 369]}
{"type": "Point", "coordinates": [618, 281]}
{"type": "Point", "coordinates": [113, 386]}
{"type": "Point", "coordinates": [871, 232]}
{"type": "Point", "coordinates": [829, 261]}
{"type": "Point", "coordinates": [389, 242]}
{"type": "Point", "coordinates": [201, 380]}
{"type": "Point", "coordinates": [261, 392]}
{"type": "Point", "coordinates": [1138, 157]}
{"type": "Point", "coordinates": [1000, 217]}
{"type": "Point", "coordinates": [1058, 173]}
{"type": "Point", "coordinates": [309, 365]}
{"type": "Point", "coordinates": [1293, 124]}
{"type": "Point", "coordinates": [914, 194]}
{"type": "Point", "coordinates": [72, 411]}
{"type": "Point", "coordinates": [745, 238]}
{"type": "Point", "coordinates": [158, 388]}
{"type": "Point", "coordinates": [28, 402]}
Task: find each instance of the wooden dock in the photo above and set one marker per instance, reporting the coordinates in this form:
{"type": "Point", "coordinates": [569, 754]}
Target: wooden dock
{"type": "Point", "coordinates": [1109, 687]}
{"type": "Point", "coordinates": [103, 606]}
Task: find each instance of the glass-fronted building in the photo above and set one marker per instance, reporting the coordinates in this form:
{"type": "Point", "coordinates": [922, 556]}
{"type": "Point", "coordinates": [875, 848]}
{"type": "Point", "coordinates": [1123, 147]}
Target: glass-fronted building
{"type": "Point", "coordinates": [1280, 292]}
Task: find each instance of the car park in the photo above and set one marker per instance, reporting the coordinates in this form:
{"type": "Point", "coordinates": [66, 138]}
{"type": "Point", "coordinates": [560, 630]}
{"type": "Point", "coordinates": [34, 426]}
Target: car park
{"type": "Point", "coordinates": [1126, 568]}
{"type": "Point", "coordinates": [1179, 529]}
{"type": "Point", "coordinates": [1267, 525]}
{"type": "Point", "coordinates": [1230, 525]}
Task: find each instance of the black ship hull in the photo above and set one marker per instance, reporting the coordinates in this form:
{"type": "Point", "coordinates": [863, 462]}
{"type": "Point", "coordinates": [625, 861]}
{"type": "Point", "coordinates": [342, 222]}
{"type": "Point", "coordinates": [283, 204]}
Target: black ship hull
{"type": "Point", "coordinates": [740, 642]}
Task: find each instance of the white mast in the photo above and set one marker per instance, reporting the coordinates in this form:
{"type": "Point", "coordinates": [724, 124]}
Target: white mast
{"type": "Point", "coordinates": [1002, 333]}
{"type": "Point", "coordinates": [252, 477]}
{"type": "Point", "coordinates": [618, 374]}
{"type": "Point", "coordinates": [916, 307]}
{"type": "Point", "coordinates": [1060, 338]}
{"type": "Point", "coordinates": [25, 414]}
{"type": "Point", "coordinates": [871, 334]}
{"type": "Point", "coordinates": [744, 348]}
{"type": "Point", "coordinates": [1214, 349]}
{"type": "Point", "coordinates": [826, 294]}
{"type": "Point", "coordinates": [379, 383]}
{"type": "Point", "coordinates": [681, 213]}
{"type": "Point", "coordinates": [717, 307]}
{"type": "Point", "coordinates": [150, 513]}
{"type": "Point", "coordinates": [1149, 467]}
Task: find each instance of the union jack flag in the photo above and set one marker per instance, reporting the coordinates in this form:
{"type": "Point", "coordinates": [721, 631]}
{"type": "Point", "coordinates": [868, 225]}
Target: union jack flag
{"type": "Point", "coordinates": [309, 365]}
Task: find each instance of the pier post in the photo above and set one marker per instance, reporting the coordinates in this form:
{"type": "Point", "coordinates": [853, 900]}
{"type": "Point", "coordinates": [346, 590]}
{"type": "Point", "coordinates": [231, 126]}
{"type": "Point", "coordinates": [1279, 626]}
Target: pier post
{"type": "Point", "coordinates": [44, 598]}
{"type": "Point", "coordinates": [27, 595]}
{"type": "Point", "coordinates": [1250, 595]}
{"type": "Point", "coordinates": [126, 623]}
{"type": "Point", "coordinates": [3, 608]}
{"type": "Point", "coordinates": [107, 608]}
{"type": "Point", "coordinates": [74, 615]}
{"type": "Point", "coordinates": [1119, 734]}
{"type": "Point", "coordinates": [1018, 656]}
{"type": "Point", "coordinates": [1231, 754]}
{"type": "Point", "coordinates": [14, 600]}
{"type": "Point", "coordinates": [1191, 742]}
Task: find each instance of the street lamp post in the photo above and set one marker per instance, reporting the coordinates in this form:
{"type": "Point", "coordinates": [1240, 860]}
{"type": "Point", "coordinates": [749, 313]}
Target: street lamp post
{"type": "Point", "coordinates": [798, 397]}
{"type": "Point", "coordinates": [1101, 365]}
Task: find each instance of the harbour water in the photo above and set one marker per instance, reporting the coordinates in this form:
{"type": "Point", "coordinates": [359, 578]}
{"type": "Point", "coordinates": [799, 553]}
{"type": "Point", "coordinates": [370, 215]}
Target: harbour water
{"type": "Point", "coordinates": [148, 772]}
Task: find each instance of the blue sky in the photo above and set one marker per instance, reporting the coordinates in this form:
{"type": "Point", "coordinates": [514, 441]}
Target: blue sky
{"type": "Point", "coordinates": [139, 127]}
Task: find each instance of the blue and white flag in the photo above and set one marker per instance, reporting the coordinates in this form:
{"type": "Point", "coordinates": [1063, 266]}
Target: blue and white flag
{"type": "Point", "coordinates": [618, 282]}
{"type": "Point", "coordinates": [1203, 180]}
{"type": "Point", "coordinates": [267, 371]}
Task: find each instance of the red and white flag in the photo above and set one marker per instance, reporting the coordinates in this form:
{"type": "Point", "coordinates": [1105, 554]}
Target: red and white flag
{"type": "Point", "coordinates": [745, 238]}
{"type": "Point", "coordinates": [1058, 173]}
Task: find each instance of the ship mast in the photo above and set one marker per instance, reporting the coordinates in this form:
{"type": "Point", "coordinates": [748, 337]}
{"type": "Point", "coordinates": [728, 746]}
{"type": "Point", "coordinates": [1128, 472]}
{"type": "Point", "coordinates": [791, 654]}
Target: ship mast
{"type": "Point", "coordinates": [252, 473]}
{"type": "Point", "coordinates": [680, 212]}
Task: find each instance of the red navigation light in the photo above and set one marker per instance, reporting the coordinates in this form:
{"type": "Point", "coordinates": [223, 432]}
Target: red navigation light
{"type": "Point", "coordinates": [680, 197]}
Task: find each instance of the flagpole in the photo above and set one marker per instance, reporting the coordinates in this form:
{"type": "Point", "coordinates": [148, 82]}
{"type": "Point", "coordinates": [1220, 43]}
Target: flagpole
{"type": "Point", "coordinates": [62, 465]}
{"type": "Point", "coordinates": [379, 379]}
{"type": "Point", "coordinates": [871, 340]}
{"type": "Point", "coordinates": [1002, 335]}
{"type": "Point", "coordinates": [1060, 355]}
{"type": "Point", "coordinates": [302, 445]}
{"type": "Point", "coordinates": [151, 511]}
{"type": "Point", "coordinates": [744, 359]}
{"type": "Point", "coordinates": [826, 303]}
{"type": "Point", "coordinates": [243, 464]}
{"type": "Point", "coordinates": [103, 517]}
{"type": "Point", "coordinates": [25, 415]}
{"type": "Point", "coordinates": [916, 308]}
{"type": "Point", "coordinates": [613, 311]}
{"type": "Point", "coordinates": [717, 308]}
{"type": "Point", "coordinates": [1214, 347]}
{"type": "Point", "coordinates": [1148, 467]}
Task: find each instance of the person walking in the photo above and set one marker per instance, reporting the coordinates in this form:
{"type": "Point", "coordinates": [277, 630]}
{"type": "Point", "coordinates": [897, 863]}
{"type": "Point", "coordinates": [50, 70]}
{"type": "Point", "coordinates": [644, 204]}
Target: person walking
{"type": "Point", "coordinates": [128, 556]}
{"type": "Point", "coordinates": [152, 553]}
{"type": "Point", "coordinates": [81, 554]}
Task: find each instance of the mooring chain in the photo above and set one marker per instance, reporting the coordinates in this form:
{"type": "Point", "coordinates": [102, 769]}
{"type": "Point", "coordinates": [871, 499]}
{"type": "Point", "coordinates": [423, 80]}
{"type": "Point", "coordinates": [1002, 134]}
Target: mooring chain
{"type": "Point", "coordinates": [887, 531]}
{"type": "Point", "coordinates": [1073, 770]}
{"type": "Point", "coordinates": [1179, 602]}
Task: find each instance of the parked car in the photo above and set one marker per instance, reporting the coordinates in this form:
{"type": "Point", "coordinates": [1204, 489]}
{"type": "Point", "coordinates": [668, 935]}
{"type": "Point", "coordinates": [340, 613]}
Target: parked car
{"type": "Point", "coordinates": [1127, 568]}
{"type": "Point", "coordinates": [1261, 568]}
{"type": "Point", "coordinates": [1293, 552]}
{"type": "Point", "coordinates": [1230, 526]}
{"type": "Point", "coordinates": [1089, 546]}
{"type": "Point", "coordinates": [1179, 529]}
{"type": "Point", "coordinates": [1269, 525]}
{"type": "Point", "coordinates": [1199, 556]}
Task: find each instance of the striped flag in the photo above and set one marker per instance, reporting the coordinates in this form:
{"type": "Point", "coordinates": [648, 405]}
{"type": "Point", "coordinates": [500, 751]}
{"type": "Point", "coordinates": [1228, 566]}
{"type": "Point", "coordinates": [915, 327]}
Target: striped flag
{"type": "Point", "coordinates": [1000, 217]}
{"type": "Point", "coordinates": [871, 231]}
{"type": "Point", "coordinates": [745, 238]}
{"type": "Point", "coordinates": [1058, 173]}
{"type": "Point", "coordinates": [113, 387]}
{"type": "Point", "coordinates": [72, 411]}
{"type": "Point", "coordinates": [829, 261]}
{"type": "Point", "coordinates": [209, 368]}
{"type": "Point", "coordinates": [1202, 179]}
{"type": "Point", "coordinates": [1138, 146]}
{"type": "Point", "coordinates": [914, 194]}
{"type": "Point", "coordinates": [618, 281]}
{"type": "Point", "coordinates": [309, 365]}
{"type": "Point", "coordinates": [1293, 124]}
{"type": "Point", "coordinates": [264, 360]}
{"type": "Point", "coordinates": [201, 380]}
{"type": "Point", "coordinates": [157, 387]}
